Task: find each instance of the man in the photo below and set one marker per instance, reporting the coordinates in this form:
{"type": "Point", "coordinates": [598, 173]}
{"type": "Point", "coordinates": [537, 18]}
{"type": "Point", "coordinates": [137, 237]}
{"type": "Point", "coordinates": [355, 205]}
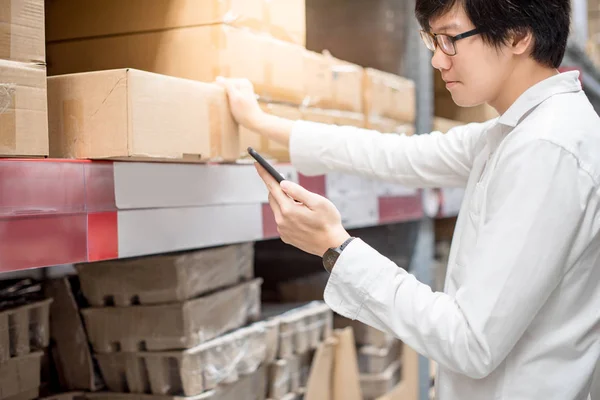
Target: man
{"type": "Point", "coordinates": [520, 316]}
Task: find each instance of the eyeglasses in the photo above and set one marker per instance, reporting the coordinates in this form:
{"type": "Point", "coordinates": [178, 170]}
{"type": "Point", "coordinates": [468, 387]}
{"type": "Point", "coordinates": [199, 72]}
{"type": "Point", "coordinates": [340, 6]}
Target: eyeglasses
{"type": "Point", "coordinates": [445, 42]}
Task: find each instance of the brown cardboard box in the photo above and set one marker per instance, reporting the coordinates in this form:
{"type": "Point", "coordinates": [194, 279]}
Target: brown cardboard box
{"type": "Point", "coordinates": [388, 95]}
{"type": "Point", "coordinates": [23, 110]}
{"type": "Point", "coordinates": [71, 351]}
{"type": "Point", "coordinates": [444, 124]}
{"type": "Point", "coordinates": [182, 325]}
{"type": "Point", "coordinates": [347, 81]}
{"type": "Point", "coordinates": [266, 147]}
{"type": "Point", "coordinates": [220, 361]}
{"type": "Point", "coordinates": [408, 387]}
{"type": "Point", "coordinates": [250, 387]}
{"type": "Point", "coordinates": [356, 120]}
{"type": "Point", "coordinates": [319, 115]}
{"type": "Point", "coordinates": [388, 125]}
{"type": "Point", "coordinates": [20, 377]}
{"type": "Point", "coordinates": [318, 70]}
{"type": "Point", "coordinates": [24, 329]}
{"type": "Point", "coordinates": [22, 31]}
{"type": "Point", "coordinates": [135, 114]}
{"type": "Point", "coordinates": [165, 278]}
{"type": "Point", "coordinates": [68, 19]}
{"type": "Point", "coordinates": [286, 20]}
{"type": "Point", "coordinates": [199, 53]}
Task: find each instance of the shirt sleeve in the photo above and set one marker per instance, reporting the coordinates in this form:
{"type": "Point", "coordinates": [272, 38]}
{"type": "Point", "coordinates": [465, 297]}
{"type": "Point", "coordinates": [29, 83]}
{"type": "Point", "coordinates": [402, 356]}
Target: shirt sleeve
{"type": "Point", "coordinates": [536, 203]}
{"type": "Point", "coordinates": [431, 160]}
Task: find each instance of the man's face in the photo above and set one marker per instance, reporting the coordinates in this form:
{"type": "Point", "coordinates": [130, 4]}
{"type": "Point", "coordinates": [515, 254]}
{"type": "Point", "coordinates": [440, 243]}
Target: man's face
{"type": "Point", "coordinates": [478, 71]}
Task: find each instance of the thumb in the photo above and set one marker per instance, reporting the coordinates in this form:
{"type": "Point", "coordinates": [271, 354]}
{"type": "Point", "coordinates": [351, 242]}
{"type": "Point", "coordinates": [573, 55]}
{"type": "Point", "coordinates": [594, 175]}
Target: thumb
{"type": "Point", "coordinates": [298, 193]}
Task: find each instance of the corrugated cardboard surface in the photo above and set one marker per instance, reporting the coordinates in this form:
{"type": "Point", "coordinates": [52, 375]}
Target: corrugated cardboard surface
{"type": "Point", "coordinates": [20, 375]}
{"type": "Point", "coordinates": [67, 19]}
{"type": "Point", "coordinates": [318, 70]}
{"type": "Point", "coordinates": [165, 278]}
{"type": "Point", "coordinates": [266, 147]}
{"type": "Point", "coordinates": [23, 110]}
{"type": "Point", "coordinates": [22, 31]}
{"type": "Point", "coordinates": [220, 361]}
{"type": "Point", "coordinates": [388, 95]}
{"type": "Point", "coordinates": [198, 53]}
{"type": "Point", "coordinates": [24, 329]}
{"type": "Point", "coordinates": [347, 81]}
{"type": "Point", "coordinates": [172, 326]}
{"type": "Point", "coordinates": [388, 125]}
{"type": "Point", "coordinates": [130, 113]}
{"type": "Point", "coordinates": [71, 351]}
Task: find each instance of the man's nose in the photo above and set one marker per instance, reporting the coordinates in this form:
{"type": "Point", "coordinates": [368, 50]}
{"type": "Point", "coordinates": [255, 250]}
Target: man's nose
{"type": "Point", "coordinates": [441, 60]}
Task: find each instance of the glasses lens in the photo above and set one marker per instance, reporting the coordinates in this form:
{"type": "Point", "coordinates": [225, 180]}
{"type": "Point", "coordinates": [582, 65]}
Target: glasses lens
{"type": "Point", "coordinates": [428, 40]}
{"type": "Point", "coordinates": [446, 44]}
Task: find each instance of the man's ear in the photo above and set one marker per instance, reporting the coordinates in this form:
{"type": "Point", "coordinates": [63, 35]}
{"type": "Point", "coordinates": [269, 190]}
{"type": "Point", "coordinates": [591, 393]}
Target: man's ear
{"type": "Point", "coordinates": [520, 41]}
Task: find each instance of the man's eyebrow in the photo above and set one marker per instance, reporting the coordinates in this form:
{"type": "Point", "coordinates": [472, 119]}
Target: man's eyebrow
{"type": "Point", "coordinates": [446, 28]}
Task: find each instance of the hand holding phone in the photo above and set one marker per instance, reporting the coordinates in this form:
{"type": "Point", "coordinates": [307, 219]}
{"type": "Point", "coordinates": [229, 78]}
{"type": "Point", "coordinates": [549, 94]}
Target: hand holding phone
{"type": "Point", "coordinates": [272, 171]}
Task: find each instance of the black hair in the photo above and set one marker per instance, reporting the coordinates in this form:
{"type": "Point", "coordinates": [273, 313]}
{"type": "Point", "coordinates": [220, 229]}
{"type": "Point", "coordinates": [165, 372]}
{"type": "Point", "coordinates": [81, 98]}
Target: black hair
{"type": "Point", "coordinates": [547, 20]}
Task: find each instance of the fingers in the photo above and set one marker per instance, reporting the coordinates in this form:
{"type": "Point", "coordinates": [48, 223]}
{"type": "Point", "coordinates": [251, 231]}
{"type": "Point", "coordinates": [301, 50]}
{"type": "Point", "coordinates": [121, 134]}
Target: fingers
{"type": "Point", "coordinates": [280, 197]}
{"type": "Point", "coordinates": [300, 194]}
{"type": "Point", "coordinates": [276, 210]}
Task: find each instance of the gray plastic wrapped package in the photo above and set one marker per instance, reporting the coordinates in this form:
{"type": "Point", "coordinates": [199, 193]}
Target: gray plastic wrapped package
{"type": "Point", "coordinates": [220, 361]}
{"type": "Point", "coordinates": [173, 326]}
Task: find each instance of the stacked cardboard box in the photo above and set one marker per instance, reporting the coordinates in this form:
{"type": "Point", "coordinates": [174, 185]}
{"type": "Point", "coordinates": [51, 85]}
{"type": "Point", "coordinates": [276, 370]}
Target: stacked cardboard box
{"type": "Point", "coordinates": [175, 324]}
{"type": "Point", "coordinates": [301, 328]}
{"type": "Point", "coordinates": [23, 109]}
{"type": "Point", "coordinates": [24, 337]}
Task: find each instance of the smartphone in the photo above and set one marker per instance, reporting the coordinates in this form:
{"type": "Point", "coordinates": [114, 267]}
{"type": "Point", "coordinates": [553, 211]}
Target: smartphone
{"type": "Point", "coordinates": [272, 171]}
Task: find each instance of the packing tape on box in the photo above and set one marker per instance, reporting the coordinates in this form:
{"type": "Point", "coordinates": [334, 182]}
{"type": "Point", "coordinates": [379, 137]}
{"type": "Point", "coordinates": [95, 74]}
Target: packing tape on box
{"type": "Point", "coordinates": [8, 123]}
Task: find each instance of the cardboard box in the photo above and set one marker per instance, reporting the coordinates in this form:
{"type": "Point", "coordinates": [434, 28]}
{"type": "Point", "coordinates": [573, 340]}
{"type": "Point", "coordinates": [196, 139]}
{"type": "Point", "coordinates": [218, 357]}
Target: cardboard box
{"type": "Point", "coordinates": [199, 53]}
{"type": "Point", "coordinates": [260, 143]}
{"type": "Point", "coordinates": [223, 360]}
{"type": "Point", "coordinates": [388, 125]}
{"type": "Point", "coordinates": [376, 385]}
{"type": "Point", "coordinates": [67, 19]}
{"type": "Point", "coordinates": [444, 124]}
{"type": "Point", "coordinates": [289, 376]}
{"type": "Point", "coordinates": [22, 31]}
{"type": "Point", "coordinates": [71, 351]}
{"type": "Point", "coordinates": [165, 278]}
{"type": "Point", "coordinates": [356, 120]}
{"type": "Point", "coordinates": [24, 329]}
{"type": "Point", "coordinates": [23, 110]}
{"type": "Point", "coordinates": [319, 115]}
{"type": "Point", "coordinates": [318, 70]}
{"type": "Point", "coordinates": [250, 387]}
{"type": "Point", "coordinates": [20, 377]}
{"type": "Point", "coordinates": [347, 81]}
{"type": "Point", "coordinates": [388, 95]}
{"type": "Point", "coordinates": [127, 113]}
{"type": "Point", "coordinates": [375, 360]}
{"type": "Point", "coordinates": [182, 325]}
{"type": "Point", "coordinates": [365, 335]}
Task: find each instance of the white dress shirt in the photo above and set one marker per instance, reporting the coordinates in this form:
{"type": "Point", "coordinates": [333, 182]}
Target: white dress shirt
{"type": "Point", "coordinates": [519, 318]}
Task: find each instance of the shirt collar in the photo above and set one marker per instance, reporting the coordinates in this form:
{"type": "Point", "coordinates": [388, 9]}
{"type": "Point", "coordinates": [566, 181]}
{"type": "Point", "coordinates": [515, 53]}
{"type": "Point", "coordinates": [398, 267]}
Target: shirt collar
{"type": "Point", "coordinates": [566, 82]}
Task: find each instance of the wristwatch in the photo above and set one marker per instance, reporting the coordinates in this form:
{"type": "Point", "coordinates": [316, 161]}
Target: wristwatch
{"type": "Point", "coordinates": [331, 255]}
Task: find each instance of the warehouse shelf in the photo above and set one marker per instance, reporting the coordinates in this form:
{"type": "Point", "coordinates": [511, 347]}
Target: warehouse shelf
{"type": "Point", "coordinates": [61, 211]}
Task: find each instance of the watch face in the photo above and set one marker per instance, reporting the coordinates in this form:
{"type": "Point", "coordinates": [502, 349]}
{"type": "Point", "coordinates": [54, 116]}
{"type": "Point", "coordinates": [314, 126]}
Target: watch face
{"type": "Point", "coordinates": [330, 258]}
